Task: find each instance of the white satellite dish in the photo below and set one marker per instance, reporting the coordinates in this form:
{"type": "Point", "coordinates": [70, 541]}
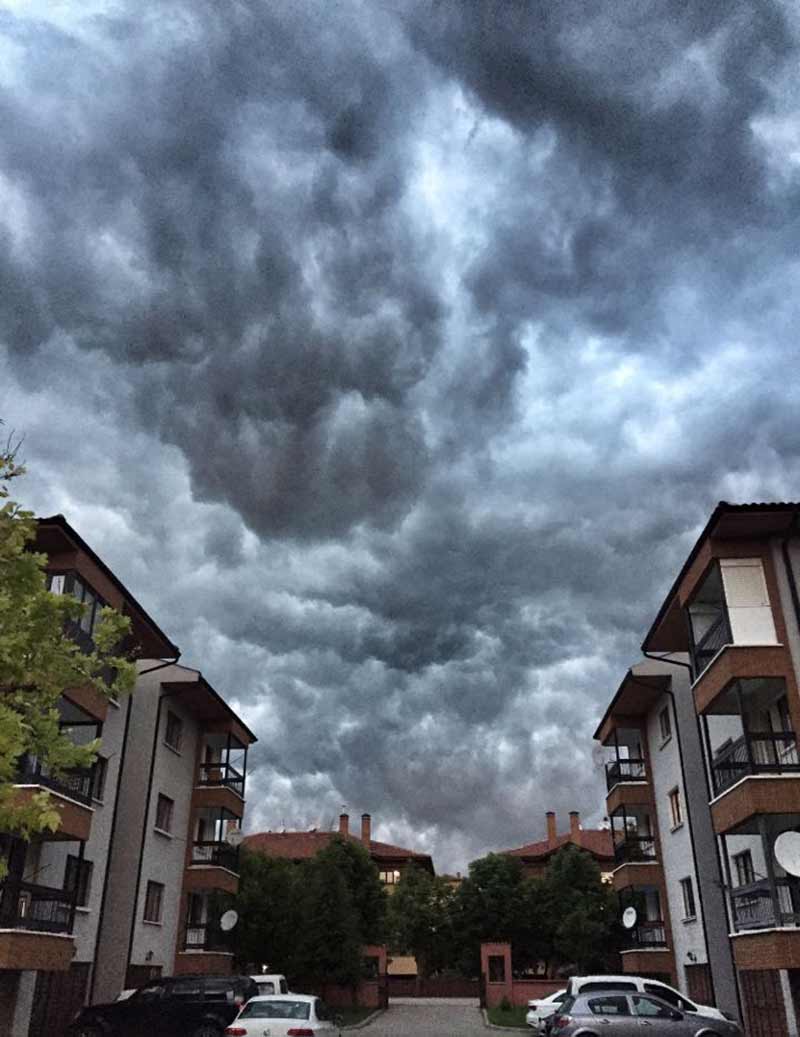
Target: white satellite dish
{"type": "Point", "coordinates": [629, 917]}
{"type": "Point", "coordinates": [234, 837]}
{"type": "Point", "coordinates": [787, 852]}
{"type": "Point", "coordinates": [228, 921]}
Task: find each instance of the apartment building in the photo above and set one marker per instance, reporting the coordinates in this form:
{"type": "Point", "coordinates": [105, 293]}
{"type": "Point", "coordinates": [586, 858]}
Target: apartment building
{"type": "Point", "coordinates": [108, 898]}
{"type": "Point", "coordinates": [734, 608]}
{"type": "Point", "coordinates": [666, 870]}
{"type": "Point", "coordinates": [596, 842]}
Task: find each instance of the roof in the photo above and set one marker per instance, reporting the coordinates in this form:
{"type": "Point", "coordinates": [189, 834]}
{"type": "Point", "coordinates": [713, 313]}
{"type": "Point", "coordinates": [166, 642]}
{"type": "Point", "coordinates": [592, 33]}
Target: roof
{"type": "Point", "coordinates": [729, 521]}
{"type": "Point", "coordinates": [635, 696]}
{"type": "Point", "coordinates": [154, 641]}
{"type": "Point", "coordinates": [299, 846]}
{"type": "Point", "coordinates": [596, 841]}
{"type": "Point", "coordinates": [205, 701]}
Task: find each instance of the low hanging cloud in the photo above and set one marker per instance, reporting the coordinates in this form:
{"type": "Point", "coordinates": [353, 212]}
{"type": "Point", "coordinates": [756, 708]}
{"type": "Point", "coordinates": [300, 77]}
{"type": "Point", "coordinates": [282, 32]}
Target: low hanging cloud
{"type": "Point", "coordinates": [393, 354]}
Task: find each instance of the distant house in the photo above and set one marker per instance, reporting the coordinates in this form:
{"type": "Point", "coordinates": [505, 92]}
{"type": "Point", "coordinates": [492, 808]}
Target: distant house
{"type": "Point", "coordinates": [390, 860]}
{"type": "Point", "coordinates": [597, 842]}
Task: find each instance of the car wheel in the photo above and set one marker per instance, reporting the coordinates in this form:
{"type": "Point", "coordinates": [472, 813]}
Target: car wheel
{"type": "Point", "coordinates": [208, 1029]}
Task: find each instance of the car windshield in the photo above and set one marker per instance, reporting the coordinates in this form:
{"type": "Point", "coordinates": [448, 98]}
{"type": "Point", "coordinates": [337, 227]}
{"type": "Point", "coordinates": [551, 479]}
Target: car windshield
{"type": "Point", "coordinates": [266, 988]}
{"type": "Point", "coordinates": [275, 1010]}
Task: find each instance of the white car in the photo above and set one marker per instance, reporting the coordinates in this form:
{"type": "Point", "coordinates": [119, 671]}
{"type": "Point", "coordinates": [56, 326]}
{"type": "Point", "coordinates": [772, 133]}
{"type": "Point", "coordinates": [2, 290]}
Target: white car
{"type": "Point", "coordinates": [588, 984]}
{"type": "Point", "coordinates": [284, 1015]}
{"type": "Point", "coordinates": [543, 1008]}
{"type": "Point", "coordinates": [271, 983]}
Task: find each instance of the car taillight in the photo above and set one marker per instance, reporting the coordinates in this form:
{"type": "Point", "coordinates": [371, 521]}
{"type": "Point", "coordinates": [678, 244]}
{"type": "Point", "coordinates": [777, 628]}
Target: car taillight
{"type": "Point", "coordinates": [300, 1031]}
{"type": "Point", "coordinates": [561, 1020]}
{"type": "Point", "coordinates": [236, 1031]}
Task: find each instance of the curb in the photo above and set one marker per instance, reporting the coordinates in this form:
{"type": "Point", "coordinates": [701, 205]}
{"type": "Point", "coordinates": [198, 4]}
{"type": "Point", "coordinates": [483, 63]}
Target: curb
{"type": "Point", "coordinates": [364, 1022]}
{"type": "Point", "coordinates": [505, 1029]}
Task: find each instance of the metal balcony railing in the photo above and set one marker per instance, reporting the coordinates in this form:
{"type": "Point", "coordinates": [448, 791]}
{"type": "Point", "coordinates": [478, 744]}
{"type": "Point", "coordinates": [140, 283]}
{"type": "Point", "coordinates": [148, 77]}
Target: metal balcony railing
{"type": "Point", "coordinates": [41, 909]}
{"type": "Point", "coordinates": [646, 935]}
{"type": "Point", "coordinates": [205, 936]}
{"type": "Point", "coordinates": [77, 783]}
{"type": "Point", "coordinates": [625, 770]}
{"type": "Point", "coordinates": [635, 848]}
{"type": "Point", "coordinates": [762, 752]}
{"type": "Point", "coordinates": [221, 773]}
{"type": "Point", "coordinates": [717, 635]}
{"type": "Point", "coordinates": [754, 907]}
{"type": "Point", "coordinates": [216, 853]}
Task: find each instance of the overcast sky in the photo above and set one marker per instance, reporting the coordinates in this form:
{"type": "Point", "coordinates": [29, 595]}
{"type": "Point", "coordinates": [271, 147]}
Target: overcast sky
{"type": "Point", "coordinates": [393, 354]}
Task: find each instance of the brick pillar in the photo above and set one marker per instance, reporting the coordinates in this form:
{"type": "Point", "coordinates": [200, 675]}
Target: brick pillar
{"type": "Point", "coordinates": [551, 828]}
{"type": "Point", "coordinates": [344, 824]}
{"type": "Point", "coordinates": [496, 988]}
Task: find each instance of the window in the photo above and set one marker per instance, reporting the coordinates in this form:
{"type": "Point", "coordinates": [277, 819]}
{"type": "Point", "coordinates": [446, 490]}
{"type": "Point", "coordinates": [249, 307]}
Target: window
{"type": "Point", "coordinates": [99, 771]}
{"type": "Point", "coordinates": [609, 1005]}
{"type": "Point", "coordinates": [665, 723]}
{"type": "Point", "coordinates": [687, 890]}
{"type": "Point", "coordinates": [69, 583]}
{"type": "Point", "coordinates": [152, 992]}
{"type": "Point", "coordinates": [389, 878]}
{"type": "Point", "coordinates": [153, 902]}
{"type": "Point", "coordinates": [497, 968]}
{"type": "Point", "coordinates": [675, 809]}
{"type": "Point", "coordinates": [78, 879]}
{"type": "Point", "coordinates": [652, 1009]}
{"type": "Point", "coordinates": [174, 732]}
{"type": "Point", "coordinates": [743, 865]}
{"type": "Point", "coordinates": [164, 813]}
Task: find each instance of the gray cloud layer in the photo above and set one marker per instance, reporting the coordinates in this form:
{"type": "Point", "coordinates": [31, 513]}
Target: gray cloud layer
{"type": "Point", "coordinates": [393, 353]}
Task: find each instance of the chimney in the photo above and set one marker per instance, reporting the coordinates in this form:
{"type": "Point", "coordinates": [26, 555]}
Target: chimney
{"type": "Point", "coordinates": [344, 824]}
{"type": "Point", "coordinates": [551, 827]}
{"type": "Point", "coordinates": [366, 829]}
{"type": "Point", "coordinates": [575, 827]}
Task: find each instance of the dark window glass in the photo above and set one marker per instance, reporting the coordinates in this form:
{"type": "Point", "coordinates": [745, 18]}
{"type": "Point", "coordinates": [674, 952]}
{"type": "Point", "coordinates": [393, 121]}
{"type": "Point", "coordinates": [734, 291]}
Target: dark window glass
{"type": "Point", "coordinates": [687, 889]}
{"type": "Point", "coordinates": [587, 988]}
{"type": "Point", "coordinates": [174, 731]}
{"type": "Point", "coordinates": [78, 879]}
{"type": "Point", "coordinates": [276, 1010]}
{"type": "Point", "coordinates": [164, 813]}
{"type": "Point", "coordinates": [153, 901]}
{"type": "Point", "coordinates": [609, 1005]}
{"type": "Point", "coordinates": [152, 992]}
{"type": "Point", "coordinates": [497, 968]}
{"type": "Point", "coordinates": [665, 723]}
{"type": "Point", "coordinates": [99, 771]}
{"type": "Point", "coordinates": [665, 993]}
{"type": "Point", "coordinates": [187, 989]}
{"type": "Point", "coordinates": [745, 873]}
{"type": "Point", "coordinates": [652, 1009]}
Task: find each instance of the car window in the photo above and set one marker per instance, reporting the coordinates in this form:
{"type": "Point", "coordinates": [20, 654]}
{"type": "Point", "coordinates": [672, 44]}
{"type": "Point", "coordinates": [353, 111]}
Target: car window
{"type": "Point", "coordinates": [609, 1005]}
{"type": "Point", "coordinates": [219, 990]}
{"type": "Point", "coordinates": [319, 1010]}
{"type": "Point", "coordinates": [566, 1005]}
{"type": "Point", "coordinates": [590, 988]}
{"type": "Point", "coordinates": [152, 992]}
{"type": "Point", "coordinates": [652, 1009]}
{"type": "Point", "coordinates": [275, 1010]}
{"type": "Point", "coordinates": [671, 996]}
{"type": "Point", "coordinates": [284, 987]}
{"type": "Point", "coordinates": [267, 987]}
{"type": "Point", "coordinates": [186, 989]}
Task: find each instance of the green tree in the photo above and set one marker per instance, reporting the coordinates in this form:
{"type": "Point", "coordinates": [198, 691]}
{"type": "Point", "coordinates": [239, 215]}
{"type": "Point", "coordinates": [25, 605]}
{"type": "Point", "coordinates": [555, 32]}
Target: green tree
{"type": "Point", "coordinates": [363, 882]}
{"type": "Point", "coordinates": [329, 942]}
{"type": "Point", "coordinates": [269, 909]}
{"type": "Point", "coordinates": [420, 919]}
{"type": "Point", "coordinates": [38, 661]}
{"type": "Point", "coordinates": [490, 905]}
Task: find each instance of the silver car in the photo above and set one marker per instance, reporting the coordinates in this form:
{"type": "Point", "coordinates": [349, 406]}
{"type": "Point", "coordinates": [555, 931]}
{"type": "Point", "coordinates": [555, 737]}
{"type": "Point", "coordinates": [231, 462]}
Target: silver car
{"type": "Point", "coordinates": [623, 1014]}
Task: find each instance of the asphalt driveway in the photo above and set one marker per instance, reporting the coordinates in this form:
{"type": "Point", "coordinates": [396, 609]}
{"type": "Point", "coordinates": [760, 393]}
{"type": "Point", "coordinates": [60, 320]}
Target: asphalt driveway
{"type": "Point", "coordinates": [429, 1017]}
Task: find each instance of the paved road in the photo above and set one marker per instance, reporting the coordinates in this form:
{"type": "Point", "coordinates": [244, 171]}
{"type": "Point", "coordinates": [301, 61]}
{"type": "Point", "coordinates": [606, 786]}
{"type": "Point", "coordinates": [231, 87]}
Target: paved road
{"type": "Point", "coordinates": [429, 1017]}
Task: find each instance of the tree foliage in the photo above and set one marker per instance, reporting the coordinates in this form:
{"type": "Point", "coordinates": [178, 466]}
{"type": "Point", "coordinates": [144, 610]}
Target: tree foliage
{"type": "Point", "coordinates": [38, 661]}
{"type": "Point", "coordinates": [420, 919]}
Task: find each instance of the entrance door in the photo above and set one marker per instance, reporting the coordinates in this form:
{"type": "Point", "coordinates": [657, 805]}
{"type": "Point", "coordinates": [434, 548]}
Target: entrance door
{"type": "Point", "coordinates": [764, 1010]}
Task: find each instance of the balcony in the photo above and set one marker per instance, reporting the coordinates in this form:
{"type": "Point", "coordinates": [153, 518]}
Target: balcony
{"type": "Point", "coordinates": [755, 906]}
{"type": "Point", "coordinates": [635, 849]}
{"type": "Point", "coordinates": [625, 770]}
{"type": "Point", "coordinates": [35, 923]}
{"type": "Point", "coordinates": [216, 854]}
{"type": "Point", "coordinates": [755, 753]}
{"type": "Point", "coordinates": [715, 637]}
{"type": "Point", "coordinates": [75, 784]}
{"type": "Point", "coordinates": [646, 935]}
{"type": "Point", "coordinates": [70, 794]}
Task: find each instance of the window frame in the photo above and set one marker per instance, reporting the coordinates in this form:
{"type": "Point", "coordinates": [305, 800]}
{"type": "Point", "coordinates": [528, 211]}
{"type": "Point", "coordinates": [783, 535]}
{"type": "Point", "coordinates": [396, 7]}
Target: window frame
{"type": "Point", "coordinates": [78, 878]}
{"type": "Point", "coordinates": [689, 902]}
{"type": "Point", "coordinates": [745, 858]}
{"type": "Point", "coordinates": [173, 722]}
{"type": "Point", "coordinates": [160, 800]}
{"type": "Point", "coordinates": [150, 890]}
{"type": "Point", "coordinates": [99, 778]}
{"type": "Point", "coordinates": [665, 724]}
{"type": "Point", "coordinates": [675, 808]}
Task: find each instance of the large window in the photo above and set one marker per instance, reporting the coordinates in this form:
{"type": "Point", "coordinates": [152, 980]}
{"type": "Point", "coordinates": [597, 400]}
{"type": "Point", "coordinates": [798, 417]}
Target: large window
{"type": "Point", "coordinates": [78, 879]}
{"type": "Point", "coordinates": [153, 902]}
{"type": "Point", "coordinates": [69, 583]}
{"type": "Point", "coordinates": [743, 867]}
{"type": "Point", "coordinates": [389, 878]}
{"type": "Point", "coordinates": [164, 813]}
{"type": "Point", "coordinates": [99, 772]}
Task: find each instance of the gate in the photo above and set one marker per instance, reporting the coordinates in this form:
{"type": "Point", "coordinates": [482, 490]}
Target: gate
{"type": "Point", "coordinates": [58, 997]}
{"type": "Point", "coordinates": [435, 986]}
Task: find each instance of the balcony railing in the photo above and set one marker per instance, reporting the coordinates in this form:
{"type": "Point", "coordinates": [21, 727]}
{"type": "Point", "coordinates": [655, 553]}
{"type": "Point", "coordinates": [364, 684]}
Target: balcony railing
{"type": "Point", "coordinates": [218, 854]}
{"type": "Point", "coordinates": [24, 905]}
{"type": "Point", "coordinates": [754, 907]}
{"type": "Point", "coordinates": [76, 783]}
{"type": "Point", "coordinates": [646, 935]}
{"type": "Point", "coordinates": [635, 848]}
{"type": "Point", "coordinates": [755, 753]}
{"type": "Point", "coordinates": [205, 936]}
{"type": "Point", "coordinates": [221, 773]}
{"type": "Point", "coordinates": [625, 770]}
{"type": "Point", "coordinates": [717, 635]}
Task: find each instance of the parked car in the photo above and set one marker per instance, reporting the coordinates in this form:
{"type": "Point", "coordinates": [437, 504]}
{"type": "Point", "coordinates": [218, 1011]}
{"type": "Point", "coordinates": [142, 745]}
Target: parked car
{"type": "Point", "coordinates": [271, 983]}
{"type": "Point", "coordinates": [543, 1008]}
{"type": "Point", "coordinates": [285, 1015]}
{"type": "Point", "coordinates": [619, 1013]}
{"type": "Point", "coordinates": [587, 984]}
{"type": "Point", "coordinates": [172, 1006]}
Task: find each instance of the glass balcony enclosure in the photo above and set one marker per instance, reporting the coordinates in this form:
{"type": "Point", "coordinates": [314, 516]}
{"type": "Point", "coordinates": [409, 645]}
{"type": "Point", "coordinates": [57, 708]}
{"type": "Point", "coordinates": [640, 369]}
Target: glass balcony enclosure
{"type": "Point", "coordinates": [649, 931]}
{"type": "Point", "coordinates": [632, 833]}
{"type": "Point", "coordinates": [75, 783]}
{"type": "Point", "coordinates": [26, 903]}
{"type": "Point", "coordinates": [748, 730]}
{"type": "Point", "coordinates": [203, 913]}
{"type": "Point", "coordinates": [224, 762]}
{"type": "Point", "coordinates": [211, 827]}
{"type": "Point", "coordinates": [624, 757]}
{"type": "Point", "coordinates": [760, 892]}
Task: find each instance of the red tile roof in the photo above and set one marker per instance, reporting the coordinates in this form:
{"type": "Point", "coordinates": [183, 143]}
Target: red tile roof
{"type": "Point", "coordinates": [596, 841]}
{"type": "Point", "coordinates": [298, 846]}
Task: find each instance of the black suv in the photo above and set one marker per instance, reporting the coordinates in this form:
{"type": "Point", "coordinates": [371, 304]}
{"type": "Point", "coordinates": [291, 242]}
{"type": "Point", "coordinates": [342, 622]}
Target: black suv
{"type": "Point", "coordinates": [176, 1006]}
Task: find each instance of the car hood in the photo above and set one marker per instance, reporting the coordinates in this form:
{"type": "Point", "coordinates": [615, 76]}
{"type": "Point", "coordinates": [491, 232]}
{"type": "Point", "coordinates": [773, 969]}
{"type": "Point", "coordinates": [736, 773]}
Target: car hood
{"type": "Point", "coordinates": [712, 1013]}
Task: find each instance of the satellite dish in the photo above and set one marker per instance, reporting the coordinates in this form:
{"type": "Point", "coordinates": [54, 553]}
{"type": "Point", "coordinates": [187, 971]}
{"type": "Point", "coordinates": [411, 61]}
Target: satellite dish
{"type": "Point", "coordinates": [787, 852]}
{"type": "Point", "coordinates": [234, 837]}
{"type": "Point", "coordinates": [228, 921]}
{"type": "Point", "coordinates": [629, 917]}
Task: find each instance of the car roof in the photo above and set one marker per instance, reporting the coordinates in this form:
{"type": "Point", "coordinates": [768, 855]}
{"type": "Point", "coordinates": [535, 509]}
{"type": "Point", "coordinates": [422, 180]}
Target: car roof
{"type": "Point", "coordinates": [285, 997]}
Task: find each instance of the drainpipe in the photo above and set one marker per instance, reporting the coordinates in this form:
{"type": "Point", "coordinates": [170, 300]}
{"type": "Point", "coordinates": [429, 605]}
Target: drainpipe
{"type": "Point", "coordinates": [794, 530]}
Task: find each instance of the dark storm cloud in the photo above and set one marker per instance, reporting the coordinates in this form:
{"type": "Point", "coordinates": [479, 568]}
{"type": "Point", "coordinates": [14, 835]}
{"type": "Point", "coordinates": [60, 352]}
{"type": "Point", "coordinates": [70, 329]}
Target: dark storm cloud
{"type": "Point", "coordinates": [393, 354]}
